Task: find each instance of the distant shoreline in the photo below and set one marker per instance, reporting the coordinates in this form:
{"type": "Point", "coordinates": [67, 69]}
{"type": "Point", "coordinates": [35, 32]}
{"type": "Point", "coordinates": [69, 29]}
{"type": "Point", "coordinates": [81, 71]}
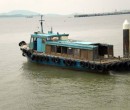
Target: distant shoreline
{"type": "Point", "coordinates": [30, 16]}
{"type": "Point", "coordinates": [101, 14]}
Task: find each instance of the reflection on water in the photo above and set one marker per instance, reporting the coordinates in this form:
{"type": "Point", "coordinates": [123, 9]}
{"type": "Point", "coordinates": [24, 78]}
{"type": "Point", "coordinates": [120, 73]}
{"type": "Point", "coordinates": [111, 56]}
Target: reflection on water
{"type": "Point", "coordinates": [61, 88]}
{"type": "Point", "coordinates": [56, 72]}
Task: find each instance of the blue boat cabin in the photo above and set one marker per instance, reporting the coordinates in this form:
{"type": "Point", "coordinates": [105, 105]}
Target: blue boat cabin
{"type": "Point", "coordinates": [59, 45]}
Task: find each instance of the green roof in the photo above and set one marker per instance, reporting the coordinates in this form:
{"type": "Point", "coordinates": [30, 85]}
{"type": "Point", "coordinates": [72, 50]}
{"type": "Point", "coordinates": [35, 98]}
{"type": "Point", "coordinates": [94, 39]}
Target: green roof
{"type": "Point", "coordinates": [49, 34]}
{"type": "Point", "coordinates": [72, 44]}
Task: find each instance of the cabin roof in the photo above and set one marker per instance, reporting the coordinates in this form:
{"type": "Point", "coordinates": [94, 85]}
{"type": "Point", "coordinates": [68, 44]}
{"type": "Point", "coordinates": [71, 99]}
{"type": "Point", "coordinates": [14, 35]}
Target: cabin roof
{"type": "Point", "coordinates": [47, 35]}
{"type": "Point", "coordinates": [71, 44]}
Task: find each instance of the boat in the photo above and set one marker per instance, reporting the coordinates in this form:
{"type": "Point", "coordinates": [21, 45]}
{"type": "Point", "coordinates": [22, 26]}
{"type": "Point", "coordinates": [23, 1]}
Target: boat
{"type": "Point", "coordinates": [29, 16]}
{"type": "Point", "coordinates": [55, 49]}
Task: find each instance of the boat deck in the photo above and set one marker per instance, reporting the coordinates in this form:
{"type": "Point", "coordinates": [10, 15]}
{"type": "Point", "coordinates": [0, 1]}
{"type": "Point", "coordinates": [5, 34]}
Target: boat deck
{"type": "Point", "coordinates": [96, 61]}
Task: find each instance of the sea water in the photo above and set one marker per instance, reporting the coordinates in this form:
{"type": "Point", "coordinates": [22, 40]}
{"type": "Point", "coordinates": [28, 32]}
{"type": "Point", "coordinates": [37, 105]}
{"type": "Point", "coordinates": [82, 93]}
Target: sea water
{"type": "Point", "coordinates": [28, 86]}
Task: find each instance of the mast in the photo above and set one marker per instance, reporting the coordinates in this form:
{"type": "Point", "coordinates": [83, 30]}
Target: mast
{"type": "Point", "coordinates": [41, 21]}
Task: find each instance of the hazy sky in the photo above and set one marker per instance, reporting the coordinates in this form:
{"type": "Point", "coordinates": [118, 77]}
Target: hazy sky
{"type": "Point", "coordinates": [64, 6]}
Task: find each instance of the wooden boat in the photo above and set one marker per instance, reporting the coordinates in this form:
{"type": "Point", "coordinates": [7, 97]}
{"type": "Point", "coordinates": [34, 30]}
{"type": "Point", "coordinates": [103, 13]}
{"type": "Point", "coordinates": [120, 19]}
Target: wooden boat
{"type": "Point", "coordinates": [56, 49]}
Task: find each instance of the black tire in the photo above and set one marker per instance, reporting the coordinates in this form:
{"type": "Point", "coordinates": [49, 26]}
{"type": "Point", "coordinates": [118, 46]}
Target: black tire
{"type": "Point", "coordinates": [67, 62]}
{"type": "Point", "coordinates": [22, 43]}
{"type": "Point", "coordinates": [47, 58]}
{"type": "Point", "coordinates": [33, 57]}
{"type": "Point", "coordinates": [114, 66]}
{"type": "Point", "coordinates": [100, 68]}
{"type": "Point", "coordinates": [87, 64]}
{"type": "Point", "coordinates": [74, 63]}
{"type": "Point", "coordinates": [92, 66]}
{"type": "Point", "coordinates": [53, 59]}
{"type": "Point", "coordinates": [82, 64]}
{"type": "Point", "coordinates": [23, 54]}
{"type": "Point", "coordinates": [37, 58]}
{"type": "Point", "coordinates": [57, 60]}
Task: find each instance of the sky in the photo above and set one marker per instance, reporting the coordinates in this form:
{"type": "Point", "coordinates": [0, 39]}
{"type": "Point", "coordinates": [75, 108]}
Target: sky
{"type": "Point", "coordinates": [64, 6]}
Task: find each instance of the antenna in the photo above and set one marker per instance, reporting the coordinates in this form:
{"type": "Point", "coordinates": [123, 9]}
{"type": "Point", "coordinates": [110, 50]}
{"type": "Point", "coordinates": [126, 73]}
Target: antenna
{"type": "Point", "coordinates": [51, 30]}
{"type": "Point", "coordinates": [41, 23]}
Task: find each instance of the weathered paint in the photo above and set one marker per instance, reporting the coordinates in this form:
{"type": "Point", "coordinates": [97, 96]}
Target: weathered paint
{"type": "Point", "coordinates": [47, 35]}
{"type": "Point", "coordinates": [39, 45]}
{"type": "Point", "coordinates": [31, 45]}
{"type": "Point", "coordinates": [61, 64]}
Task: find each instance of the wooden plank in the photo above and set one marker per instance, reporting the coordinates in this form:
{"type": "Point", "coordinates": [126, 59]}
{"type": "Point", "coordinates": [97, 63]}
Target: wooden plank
{"type": "Point", "coordinates": [48, 49]}
{"type": "Point", "coordinates": [110, 51]}
{"type": "Point", "coordinates": [90, 55]}
{"type": "Point", "coordinates": [77, 53]}
{"type": "Point", "coordinates": [84, 54]}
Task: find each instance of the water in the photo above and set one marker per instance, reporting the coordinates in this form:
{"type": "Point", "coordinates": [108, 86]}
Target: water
{"type": "Point", "coordinates": [28, 86]}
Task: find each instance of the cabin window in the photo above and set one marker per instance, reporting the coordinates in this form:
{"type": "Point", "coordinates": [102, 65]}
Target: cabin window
{"type": "Point", "coordinates": [43, 40]}
{"type": "Point", "coordinates": [110, 51]}
{"type": "Point", "coordinates": [31, 40]}
{"type": "Point", "coordinates": [35, 39]}
{"type": "Point", "coordinates": [64, 38]}
{"type": "Point", "coordinates": [64, 50]}
{"type": "Point", "coordinates": [76, 52]}
{"type": "Point", "coordinates": [48, 38]}
{"type": "Point", "coordinates": [35, 43]}
{"type": "Point", "coordinates": [53, 48]}
{"type": "Point", "coordinates": [54, 38]}
{"type": "Point", "coordinates": [102, 50]}
{"type": "Point", "coordinates": [70, 51]}
{"type": "Point", "coordinates": [31, 43]}
{"type": "Point", "coordinates": [58, 49]}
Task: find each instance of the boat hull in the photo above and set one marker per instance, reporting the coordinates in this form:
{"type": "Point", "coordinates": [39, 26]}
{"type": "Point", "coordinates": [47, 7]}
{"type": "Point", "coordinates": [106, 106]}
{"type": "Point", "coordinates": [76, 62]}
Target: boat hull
{"type": "Point", "coordinates": [64, 62]}
{"type": "Point", "coordinates": [76, 64]}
